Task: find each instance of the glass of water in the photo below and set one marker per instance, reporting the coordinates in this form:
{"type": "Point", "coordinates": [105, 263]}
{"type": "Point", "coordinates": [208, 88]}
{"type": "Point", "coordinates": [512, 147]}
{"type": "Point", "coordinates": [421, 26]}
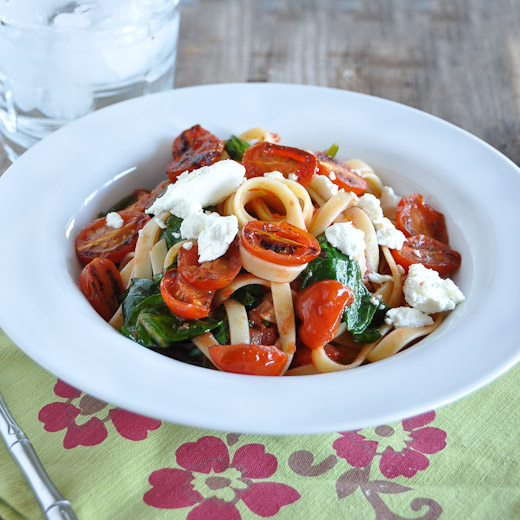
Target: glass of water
{"type": "Point", "coordinates": [60, 59]}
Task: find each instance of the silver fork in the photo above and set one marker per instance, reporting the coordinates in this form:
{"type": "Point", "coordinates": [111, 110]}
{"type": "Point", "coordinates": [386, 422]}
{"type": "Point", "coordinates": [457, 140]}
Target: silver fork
{"type": "Point", "coordinates": [51, 501]}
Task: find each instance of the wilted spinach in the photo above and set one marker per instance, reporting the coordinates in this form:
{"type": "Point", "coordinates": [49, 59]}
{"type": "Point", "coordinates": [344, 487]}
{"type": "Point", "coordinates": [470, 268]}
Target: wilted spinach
{"type": "Point", "coordinates": [236, 147]}
{"type": "Point", "coordinates": [149, 321]}
{"type": "Point", "coordinates": [332, 264]}
{"type": "Point", "coordinates": [172, 232]}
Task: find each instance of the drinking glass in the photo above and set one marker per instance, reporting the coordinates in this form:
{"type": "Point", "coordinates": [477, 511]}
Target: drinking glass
{"type": "Point", "coordinates": [61, 59]}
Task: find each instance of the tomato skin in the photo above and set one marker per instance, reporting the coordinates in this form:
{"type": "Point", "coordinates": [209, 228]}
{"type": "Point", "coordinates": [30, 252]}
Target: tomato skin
{"type": "Point", "coordinates": [146, 198]}
{"type": "Point", "coordinates": [212, 275]}
{"type": "Point", "coordinates": [242, 358]}
{"type": "Point", "coordinates": [421, 249]}
{"type": "Point", "coordinates": [98, 240]}
{"type": "Point", "coordinates": [320, 307]}
{"type": "Point", "coordinates": [183, 299]}
{"type": "Point", "coordinates": [193, 149]}
{"type": "Point", "coordinates": [343, 176]}
{"type": "Point", "coordinates": [279, 242]}
{"type": "Point", "coordinates": [102, 285]}
{"type": "Point", "coordinates": [267, 157]}
{"type": "Point", "coordinates": [414, 217]}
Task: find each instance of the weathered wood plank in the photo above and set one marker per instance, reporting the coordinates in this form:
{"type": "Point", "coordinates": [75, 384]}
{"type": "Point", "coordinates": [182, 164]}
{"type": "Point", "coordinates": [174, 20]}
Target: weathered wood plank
{"type": "Point", "coordinates": [457, 59]}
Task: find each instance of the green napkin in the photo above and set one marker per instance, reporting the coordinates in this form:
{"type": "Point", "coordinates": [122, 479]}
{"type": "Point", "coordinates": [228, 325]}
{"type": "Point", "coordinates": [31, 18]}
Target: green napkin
{"type": "Point", "coordinates": [460, 462]}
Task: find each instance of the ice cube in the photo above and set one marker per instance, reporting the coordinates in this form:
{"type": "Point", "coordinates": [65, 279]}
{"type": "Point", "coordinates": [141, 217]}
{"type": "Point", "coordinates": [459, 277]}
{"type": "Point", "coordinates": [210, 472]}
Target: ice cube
{"type": "Point", "coordinates": [65, 99]}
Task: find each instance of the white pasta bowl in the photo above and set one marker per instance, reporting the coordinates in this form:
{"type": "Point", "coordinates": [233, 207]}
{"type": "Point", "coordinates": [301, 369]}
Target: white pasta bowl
{"type": "Point", "coordinates": [58, 186]}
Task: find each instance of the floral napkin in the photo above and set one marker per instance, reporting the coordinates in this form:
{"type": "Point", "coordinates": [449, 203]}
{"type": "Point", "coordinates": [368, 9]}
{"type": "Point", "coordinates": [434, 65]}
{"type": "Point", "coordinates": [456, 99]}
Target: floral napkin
{"type": "Point", "coordinates": [458, 462]}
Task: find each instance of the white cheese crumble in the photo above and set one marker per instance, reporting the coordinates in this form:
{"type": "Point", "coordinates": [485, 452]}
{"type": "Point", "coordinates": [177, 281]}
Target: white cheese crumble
{"type": "Point", "coordinates": [323, 186]}
{"type": "Point", "coordinates": [187, 245]}
{"type": "Point", "coordinates": [332, 176]}
{"type": "Point", "coordinates": [213, 233]}
{"type": "Point", "coordinates": [200, 188]}
{"type": "Point", "coordinates": [389, 201]}
{"type": "Point", "coordinates": [379, 278]}
{"type": "Point", "coordinates": [274, 175]}
{"type": "Point", "coordinates": [293, 177]}
{"type": "Point", "coordinates": [407, 317]}
{"type": "Point", "coordinates": [376, 299]}
{"type": "Point", "coordinates": [371, 206]}
{"type": "Point", "coordinates": [160, 223]}
{"type": "Point", "coordinates": [387, 234]}
{"type": "Point", "coordinates": [114, 220]}
{"type": "Point", "coordinates": [425, 290]}
{"type": "Point", "coordinates": [347, 238]}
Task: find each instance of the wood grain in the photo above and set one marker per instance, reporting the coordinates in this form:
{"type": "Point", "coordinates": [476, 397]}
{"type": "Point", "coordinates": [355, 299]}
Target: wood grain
{"type": "Point", "coordinates": [456, 59]}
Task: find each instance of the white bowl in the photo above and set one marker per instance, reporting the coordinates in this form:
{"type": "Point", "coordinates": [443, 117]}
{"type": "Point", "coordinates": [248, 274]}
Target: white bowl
{"type": "Point", "coordinates": [58, 186]}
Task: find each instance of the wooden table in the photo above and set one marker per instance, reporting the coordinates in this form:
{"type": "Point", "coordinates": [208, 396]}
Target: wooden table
{"type": "Point", "coordinates": [456, 59]}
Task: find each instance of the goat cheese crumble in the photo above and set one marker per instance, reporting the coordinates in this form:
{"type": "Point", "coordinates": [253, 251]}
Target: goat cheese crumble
{"type": "Point", "coordinates": [199, 189]}
{"type": "Point", "coordinates": [425, 290]}
{"type": "Point", "coordinates": [347, 238]}
{"type": "Point", "coordinates": [407, 317]}
{"type": "Point", "coordinates": [114, 220]}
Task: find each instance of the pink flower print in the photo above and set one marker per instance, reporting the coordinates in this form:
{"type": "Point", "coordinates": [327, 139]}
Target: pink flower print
{"type": "Point", "coordinates": [82, 423]}
{"type": "Point", "coordinates": [403, 448]}
{"type": "Point", "coordinates": [214, 485]}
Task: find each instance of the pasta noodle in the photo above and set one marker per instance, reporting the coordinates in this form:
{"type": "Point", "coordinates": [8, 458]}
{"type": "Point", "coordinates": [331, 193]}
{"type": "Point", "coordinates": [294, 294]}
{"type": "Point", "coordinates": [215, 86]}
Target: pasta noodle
{"type": "Point", "coordinates": [283, 263]}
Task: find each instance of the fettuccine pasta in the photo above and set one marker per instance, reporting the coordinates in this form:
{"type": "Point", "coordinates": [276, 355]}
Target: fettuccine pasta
{"type": "Point", "coordinates": [264, 259]}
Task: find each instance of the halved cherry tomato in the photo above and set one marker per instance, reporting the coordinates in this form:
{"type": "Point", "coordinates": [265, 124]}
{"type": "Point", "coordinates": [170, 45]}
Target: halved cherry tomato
{"type": "Point", "coordinates": [302, 356]}
{"type": "Point", "coordinates": [102, 285]}
{"type": "Point", "coordinates": [342, 176]}
{"type": "Point", "coordinates": [433, 254]}
{"type": "Point", "coordinates": [183, 299]}
{"type": "Point", "coordinates": [267, 157]}
{"type": "Point", "coordinates": [98, 240]}
{"type": "Point", "coordinates": [263, 335]}
{"type": "Point", "coordinates": [146, 198]}
{"type": "Point", "coordinates": [258, 360]}
{"type": "Point", "coordinates": [414, 217]}
{"type": "Point", "coordinates": [192, 149]}
{"type": "Point", "coordinates": [279, 242]}
{"type": "Point", "coordinates": [320, 307]}
{"type": "Point", "coordinates": [212, 275]}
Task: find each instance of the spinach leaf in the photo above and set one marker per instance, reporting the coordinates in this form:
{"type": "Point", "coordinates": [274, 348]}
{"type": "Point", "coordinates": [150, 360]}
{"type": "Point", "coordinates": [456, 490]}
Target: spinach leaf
{"type": "Point", "coordinates": [221, 333]}
{"type": "Point", "coordinates": [332, 264]}
{"type": "Point", "coordinates": [249, 296]}
{"type": "Point", "coordinates": [332, 150]}
{"type": "Point", "coordinates": [371, 333]}
{"type": "Point", "coordinates": [172, 232]}
{"type": "Point", "coordinates": [139, 290]}
{"type": "Point", "coordinates": [152, 324]}
{"type": "Point", "coordinates": [236, 147]}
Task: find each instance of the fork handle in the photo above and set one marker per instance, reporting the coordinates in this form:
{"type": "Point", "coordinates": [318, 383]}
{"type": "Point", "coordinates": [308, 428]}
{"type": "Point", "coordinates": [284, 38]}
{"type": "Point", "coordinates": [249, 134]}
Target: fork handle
{"type": "Point", "coordinates": [51, 501]}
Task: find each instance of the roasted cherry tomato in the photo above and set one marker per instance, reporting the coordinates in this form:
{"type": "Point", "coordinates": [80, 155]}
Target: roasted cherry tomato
{"type": "Point", "coordinates": [263, 335]}
{"type": "Point", "coordinates": [183, 299]}
{"type": "Point", "coordinates": [193, 149]}
{"type": "Point", "coordinates": [433, 254]}
{"type": "Point", "coordinates": [145, 198]}
{"type": "Point", "coordinates": [414, 217]}
{"type": "Point", "coordinates": [279, 242]}
{"type": "Point", "coordinates": [320, 307]}
{"type": "Point", "coordinates": [258, 360]}
{"type": "Point", "coordinates": [212, 275]}
{"type": "Point", "coordinates": [102, 285]}
{"type": "Point", "coordinates": [267, 157]}
{"type": "Point", "coordinates": [342, 175]}
{"type": "Point", "coordinates": [98, 240]}
{"type": "Point", "coordinates": [302, 356]}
